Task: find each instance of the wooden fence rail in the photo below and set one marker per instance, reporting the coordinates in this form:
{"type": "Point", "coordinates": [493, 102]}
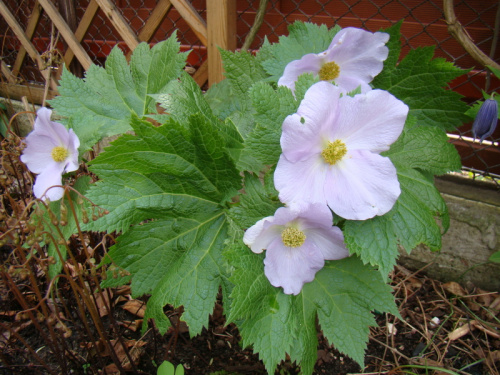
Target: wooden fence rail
{"type": "Point", "coordinates": [218, 30]}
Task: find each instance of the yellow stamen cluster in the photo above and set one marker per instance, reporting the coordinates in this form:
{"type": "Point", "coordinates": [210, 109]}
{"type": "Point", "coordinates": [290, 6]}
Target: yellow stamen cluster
{"type": "Point", "coordinates": [329, 71]}
{"type": "Point", "coordinates": [293, 237]}
{"type": "Point", "coordinates": [334, 152]}
{"type": "Point", "coordinates": [59, 153]}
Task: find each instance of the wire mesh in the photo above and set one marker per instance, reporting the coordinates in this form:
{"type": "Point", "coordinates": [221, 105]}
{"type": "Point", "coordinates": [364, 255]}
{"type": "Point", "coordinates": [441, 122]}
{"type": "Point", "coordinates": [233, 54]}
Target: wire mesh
{"type": "Point", "coordinates": [423, 25]}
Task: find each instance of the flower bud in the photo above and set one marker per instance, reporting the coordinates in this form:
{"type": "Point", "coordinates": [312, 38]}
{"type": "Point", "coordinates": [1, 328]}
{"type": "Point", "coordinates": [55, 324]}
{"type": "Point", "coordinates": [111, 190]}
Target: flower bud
{"type": "Point", "coordinates": [486, 120]}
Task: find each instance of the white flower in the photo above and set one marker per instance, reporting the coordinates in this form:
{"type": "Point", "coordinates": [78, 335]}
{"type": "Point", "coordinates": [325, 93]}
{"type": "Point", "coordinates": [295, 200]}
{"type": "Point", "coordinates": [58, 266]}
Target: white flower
{"type": "Point", "coordinates": [353, 59]}
{"type": "Point", "coordinates": [51, 150]}
{"type": "Point", "coordinates": [297, 241]}
{"type": "Point", "coordinates": [331, 152]}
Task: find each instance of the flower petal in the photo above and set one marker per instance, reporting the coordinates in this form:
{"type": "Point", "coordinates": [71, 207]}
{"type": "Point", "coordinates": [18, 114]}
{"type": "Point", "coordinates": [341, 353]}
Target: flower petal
{"type": "Point", "coordinates": [54, 130]}
{"type": "Point", "coordinates": [37, 154]}
{"type": "Point", "coordinates": [371, 121]}
{"type": "Point", "coordinates": [330, 241]}
{"type": "Point", "coordinates": [302, 131]}
{"type": "Point", "coordinates": [310, 63]}
{"type": "Point", "coordinates": [358, 53]}
{"type": "Point", "coordinates": [72, 147]}
{"type": "Point", "coordinates": [316, 215]}
{"type": "Point", "coordinates": [260, 235]}
{"type": "Point", "coordinates": [362, 186]}
{"type": "Point", "coordinates": [291, 268]}
{"type": "Point", "coordinates": [51, 176]}
{"type": "Point", "coordinates": [486, 120]}
{"type": "Point", "coordinates": [301, 181]}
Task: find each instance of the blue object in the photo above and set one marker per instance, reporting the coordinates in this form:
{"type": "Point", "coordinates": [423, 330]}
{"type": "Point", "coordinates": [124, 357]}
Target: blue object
{"type": "Point", "coordinates": [486, 120]}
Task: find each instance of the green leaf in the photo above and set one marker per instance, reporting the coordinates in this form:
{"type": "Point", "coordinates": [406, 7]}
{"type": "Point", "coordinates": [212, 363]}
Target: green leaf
{"type": "Point", "coordinates": [163, 172]}
{"type": "Point", "coordinates": [426, 148]}
{"type": "Point", "coordinates": [166, 368]}
{"type": "Point", "coordinates": [304, 82]}
{"type": "Point", "coordinates": [495, 257]}
{"type": "Point", "coordinates": [303, 38]}
{"type": "Point", "coordinates": [415, 211]}
{"type": "Point", "coordinates": [225, 105]}
{"type": "Point", "coordinates": [179, 262]}
{"type": "Point", "coordinates": [394, 45]}
{"type": "Point", "coordinates": [102, 104]}
{"type": "Point", "coordinates": [242, 70]}
{"type": "Point", "coordinates": [420, 81]}
{"type": "Point", "coordinates": [342, 297]}
{"type": "Point", "coordinates": [411, 221]}
{"type": "Point", "coordinates": [4, 121]}
{"type": "Point", "coordinates": [183, 98]}
{"type": "Point", "coordinates": [178, 178]}
{"type": "Point", "coordinates": [221, 99]}
{"type": "Point", "coordinates": [374, 241]}
{"type": "Point", "coordinates": [346, 292]}
{"type": "Point", "coordinates": [254, 205]}
{"type": "Point", "coordinates": [271, 107]}
{"type": "Point", "coordinates": [495, 71]}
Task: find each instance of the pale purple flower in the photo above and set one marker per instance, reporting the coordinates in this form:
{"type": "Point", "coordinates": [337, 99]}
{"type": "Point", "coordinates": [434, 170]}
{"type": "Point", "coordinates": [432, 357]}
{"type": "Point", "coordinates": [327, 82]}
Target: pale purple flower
{"type": "Point", "coordinates": [486, 120]}
{"type": "Point", "coordinates": [353, 59]}
{"type": "Point", "coordinates": [51, 150]}
{"type": "Point", "coordinates": [331, 150]}
{"type": "Point", "coordinates": [297, 241]}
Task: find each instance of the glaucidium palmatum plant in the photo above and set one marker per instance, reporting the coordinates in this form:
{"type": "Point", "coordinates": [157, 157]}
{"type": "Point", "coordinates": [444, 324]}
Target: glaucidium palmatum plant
{"type": "Point", "coordinates": [288, 186]}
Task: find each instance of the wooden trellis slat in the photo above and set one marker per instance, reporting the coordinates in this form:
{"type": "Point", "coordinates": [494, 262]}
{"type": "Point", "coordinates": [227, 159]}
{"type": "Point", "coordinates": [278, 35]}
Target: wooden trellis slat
{"type": "Point", "coordinates": [30, 29]}
{"type": "Point", "coordinates": [11, 78]}
{"type": "Point", "coordinates": [221, 13]}
{"type": "Point", "coordinates": [82, 28]}
{"type": "Point", "coordinates": [119, 23]}
{"type": "Point", "coordinates": [155, 19]}
{"type": "Point", "coordinates": [26, 43]}
{"type": "Point", "coordinates": [193, 19]}
{"type": "Point", "coordinates": [66, 32]}
{"type": "Point", "coordinates": [217, 31]}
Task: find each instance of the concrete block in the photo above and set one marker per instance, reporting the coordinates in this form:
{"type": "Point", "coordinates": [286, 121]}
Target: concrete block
{"type": "Point", "coordinates": [473, 236]}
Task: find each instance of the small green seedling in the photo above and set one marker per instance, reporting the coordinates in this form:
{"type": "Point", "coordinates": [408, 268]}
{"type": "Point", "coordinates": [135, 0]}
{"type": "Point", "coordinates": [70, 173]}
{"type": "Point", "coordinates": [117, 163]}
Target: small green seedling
{"type": "Point", "coordinates": [495, 257]}
{"type": "Point", "coordinates": [166, 368]}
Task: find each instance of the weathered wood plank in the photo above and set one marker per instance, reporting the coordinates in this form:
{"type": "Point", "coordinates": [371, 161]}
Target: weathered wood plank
{"type": "Point", "coordinates": [119, 23]}
{"type": "Point", "coordinates": [34, 93]}
{"type": "Point", "coordinates": [82, 28]}
{"type": "Point", "coordinates": [26, 43]}
{"type": "Point", "coordinates": [66, 33]}
{"type": "Point", "coordinates": [221, 22]}
{"type": "Point", "coordinates": [201, 74]}
{"type": "Point", "coordinates": [7, 72]}
{"type": "Point", "coordinates": [193, 19]}
{"type": "Point", "coordinates": [154, 20]}
{"type": "Point", "coordinates": [30, 29]}
{"type": "Point", "coordinates": [19, 32]}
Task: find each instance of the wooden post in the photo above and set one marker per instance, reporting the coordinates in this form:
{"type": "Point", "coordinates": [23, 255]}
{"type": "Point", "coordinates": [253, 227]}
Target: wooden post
{"type": "Point", "coordinates": [221, 28]}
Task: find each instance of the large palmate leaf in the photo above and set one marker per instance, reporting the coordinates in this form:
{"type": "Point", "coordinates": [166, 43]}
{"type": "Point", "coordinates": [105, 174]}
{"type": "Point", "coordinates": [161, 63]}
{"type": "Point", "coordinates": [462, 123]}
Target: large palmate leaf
{"type": "Point", "coordinates": [342, 297]}
{"type": "Point", "coordinates": [420, 81]}
{"type": "Point", "coordinates": [102, 104]}
{"type": "Point", "coordinates": [178, 179]}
